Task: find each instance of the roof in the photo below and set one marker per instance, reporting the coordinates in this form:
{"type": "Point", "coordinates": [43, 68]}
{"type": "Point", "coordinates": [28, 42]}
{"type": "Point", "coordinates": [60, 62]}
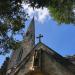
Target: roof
{"type": "Point", "coordinates": [60, 59]}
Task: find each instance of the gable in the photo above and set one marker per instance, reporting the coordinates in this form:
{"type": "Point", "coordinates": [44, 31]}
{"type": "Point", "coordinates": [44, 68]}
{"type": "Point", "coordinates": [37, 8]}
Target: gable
{"type": "Point", "coordinates": [52, 67]}
{"type": "Point", "coordinates": [55, 56]}
{"type": "Point", "coordinates": [51, 63]}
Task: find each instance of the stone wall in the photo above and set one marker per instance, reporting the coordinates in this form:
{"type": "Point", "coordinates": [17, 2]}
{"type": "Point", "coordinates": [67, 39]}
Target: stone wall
{"type": "Point", "coordinates": [52, 67]}
{"type": "Point", "coordinates": [26, 67]}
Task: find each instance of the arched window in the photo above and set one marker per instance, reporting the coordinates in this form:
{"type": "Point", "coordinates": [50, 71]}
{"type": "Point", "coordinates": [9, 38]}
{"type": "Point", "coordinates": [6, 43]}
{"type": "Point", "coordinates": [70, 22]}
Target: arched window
{"type": "Point", "coordinates": [37, 58]}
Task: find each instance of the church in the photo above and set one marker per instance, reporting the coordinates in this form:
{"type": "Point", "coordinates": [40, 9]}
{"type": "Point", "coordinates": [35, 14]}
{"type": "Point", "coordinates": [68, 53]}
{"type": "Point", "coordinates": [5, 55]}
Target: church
{"type": "Point", "coordinates": [38, 59]}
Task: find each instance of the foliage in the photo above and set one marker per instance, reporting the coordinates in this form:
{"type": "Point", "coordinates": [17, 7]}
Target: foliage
{"type": "Point", "coordinates": [4, 66]}
{"type": "Point", "coordinates": [61, 10]}
{"type": "Point", "coordinates": [12, 21]}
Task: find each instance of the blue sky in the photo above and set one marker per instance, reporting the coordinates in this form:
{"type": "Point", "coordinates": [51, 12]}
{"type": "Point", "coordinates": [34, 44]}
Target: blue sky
{"type": "Point", "coordinates": [60, 38]}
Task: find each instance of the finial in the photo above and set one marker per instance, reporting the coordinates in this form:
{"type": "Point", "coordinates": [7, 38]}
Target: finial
{"type": "Point", "coordinates": [39, 37]}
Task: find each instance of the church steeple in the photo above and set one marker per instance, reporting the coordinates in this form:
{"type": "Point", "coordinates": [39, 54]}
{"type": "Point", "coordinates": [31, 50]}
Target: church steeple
{"type": "Point", "coordinates": [26, 46]}
{"type": "Point", "coordinates": [29, 40]}
{"type": "Point", "coordinates": [30, 34]}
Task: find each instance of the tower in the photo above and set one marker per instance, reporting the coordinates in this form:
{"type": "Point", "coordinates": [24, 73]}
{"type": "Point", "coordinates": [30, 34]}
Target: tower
{"type": "Point", "coordinates": [26, 46]}
{"type": "Point", "coordinates": [29, 41]}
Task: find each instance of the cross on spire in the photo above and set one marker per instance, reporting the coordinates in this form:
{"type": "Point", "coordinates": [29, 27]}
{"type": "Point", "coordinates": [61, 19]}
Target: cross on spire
{"type": "Point", "coordinates": [39, 37]}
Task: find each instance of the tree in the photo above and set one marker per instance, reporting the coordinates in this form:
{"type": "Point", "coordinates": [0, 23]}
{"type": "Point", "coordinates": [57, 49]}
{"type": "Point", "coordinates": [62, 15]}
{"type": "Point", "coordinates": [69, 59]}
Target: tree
{"type": "Point", "coordinates": [61, 10]}
{"type": "Point", "coordinates": [12, 20]}
{"type": "Point", "coordinates": [4, 66]}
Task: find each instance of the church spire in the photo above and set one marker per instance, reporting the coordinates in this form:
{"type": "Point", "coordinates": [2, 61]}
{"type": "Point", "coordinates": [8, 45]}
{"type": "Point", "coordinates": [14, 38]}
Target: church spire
{"type": "Point", "coordinates": [30, 34]}
{"type": "Point", "coordinates": [26, 46]}
{"type": "Point", "coordinates": [29, 40]}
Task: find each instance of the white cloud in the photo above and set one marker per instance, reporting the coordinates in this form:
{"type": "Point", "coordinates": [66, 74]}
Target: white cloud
{"type": "Point", "coordinates": [40, 14]}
